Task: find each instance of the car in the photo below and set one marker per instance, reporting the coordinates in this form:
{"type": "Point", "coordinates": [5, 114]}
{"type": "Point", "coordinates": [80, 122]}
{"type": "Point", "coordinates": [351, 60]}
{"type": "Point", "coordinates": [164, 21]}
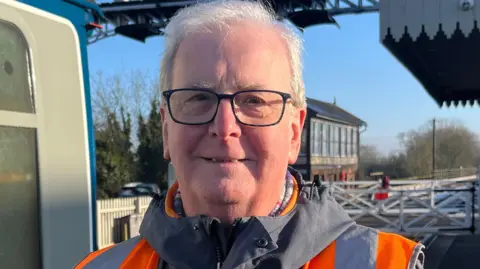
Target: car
{"type": "Point", "coordinates": [134, 189]}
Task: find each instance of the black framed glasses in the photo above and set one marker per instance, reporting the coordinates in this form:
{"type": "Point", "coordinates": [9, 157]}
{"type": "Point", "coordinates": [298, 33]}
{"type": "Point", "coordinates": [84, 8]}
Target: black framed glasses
{"type": "Point", "coordinates": [250, 107]}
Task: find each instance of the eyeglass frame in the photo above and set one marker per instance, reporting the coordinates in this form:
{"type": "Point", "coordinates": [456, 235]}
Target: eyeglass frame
{"type": "Point", "coordinates": [168, 93]}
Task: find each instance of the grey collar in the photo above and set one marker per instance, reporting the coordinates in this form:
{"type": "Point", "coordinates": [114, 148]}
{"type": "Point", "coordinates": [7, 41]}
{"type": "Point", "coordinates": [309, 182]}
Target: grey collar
{"type": "Point", "coordinates": [290, 240]}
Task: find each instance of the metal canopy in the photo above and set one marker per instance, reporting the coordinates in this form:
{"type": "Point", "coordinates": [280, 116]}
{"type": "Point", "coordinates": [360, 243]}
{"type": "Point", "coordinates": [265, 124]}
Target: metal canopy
{"type": "Point", "coordinates": [142, 19]}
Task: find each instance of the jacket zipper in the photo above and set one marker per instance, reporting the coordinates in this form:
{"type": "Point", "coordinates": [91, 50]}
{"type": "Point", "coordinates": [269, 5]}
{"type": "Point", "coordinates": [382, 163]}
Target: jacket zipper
{"type": "Point", "coordinates": [218, 248]}
{"type": "Point", "coordinates": [219, 256]}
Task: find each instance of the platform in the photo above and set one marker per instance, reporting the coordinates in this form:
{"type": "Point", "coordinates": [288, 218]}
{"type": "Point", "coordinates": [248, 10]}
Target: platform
{"type": "Point", "coordinates": [458, 252]}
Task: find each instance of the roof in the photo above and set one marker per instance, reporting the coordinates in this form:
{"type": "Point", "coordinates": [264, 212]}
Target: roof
{"type": "Point", "coordinates": [445, 65]}
{"type": "Point", "coordinates": [333, 112]}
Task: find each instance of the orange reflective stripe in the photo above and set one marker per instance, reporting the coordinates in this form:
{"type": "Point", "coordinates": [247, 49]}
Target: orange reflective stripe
{"type": "Point", "coordinates": [324, 260]}
{"type": "Point", "coordinates": [393, 251]}
{"type": "Point", "coordinates": [91, 256]}
{"type": "Point", "coordinates": [133, 253]}
{"type": "Point", "coordinates": [142, 256]}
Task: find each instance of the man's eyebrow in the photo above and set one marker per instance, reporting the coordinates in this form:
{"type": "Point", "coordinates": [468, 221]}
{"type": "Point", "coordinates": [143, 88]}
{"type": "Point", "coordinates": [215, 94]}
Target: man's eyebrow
{"type": "Point", "coordinates": [250, 86]}
{"type": "Point", "coordinates": [204, 85]}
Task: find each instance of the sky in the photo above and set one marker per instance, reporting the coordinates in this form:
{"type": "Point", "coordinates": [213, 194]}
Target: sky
{"type": "Point", "coordinates": [346, 63]}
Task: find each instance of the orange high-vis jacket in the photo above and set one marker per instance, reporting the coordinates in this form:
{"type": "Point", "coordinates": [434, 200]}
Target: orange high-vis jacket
{"type": "Point", "coordinates": [390, 251]}
{"type": "Point", "coordinates": [354, 247]}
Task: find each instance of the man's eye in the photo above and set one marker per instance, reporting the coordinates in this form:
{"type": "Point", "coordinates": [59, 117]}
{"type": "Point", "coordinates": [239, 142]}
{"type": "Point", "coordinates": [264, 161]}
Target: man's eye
{"type": "Point", "coordinates": [199, 97]}
{"type": "Point", "coordinates": [253, 100]}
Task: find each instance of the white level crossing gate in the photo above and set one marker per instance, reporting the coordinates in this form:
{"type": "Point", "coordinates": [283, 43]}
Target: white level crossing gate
{"type": "Point", "coordinates": [413, 207]}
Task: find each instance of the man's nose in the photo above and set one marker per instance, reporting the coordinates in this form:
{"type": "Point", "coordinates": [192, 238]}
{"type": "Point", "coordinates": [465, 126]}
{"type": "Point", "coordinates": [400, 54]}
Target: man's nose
{"type": "Point", "coordinates": [225, 124]}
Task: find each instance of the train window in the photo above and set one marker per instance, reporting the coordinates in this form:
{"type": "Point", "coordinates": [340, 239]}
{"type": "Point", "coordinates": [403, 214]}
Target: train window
{"type": "Point", "coordinates": [19, 225]}
{"type": "Point", "coordinates": [19, 203]}
{"type": "Point", "coordinates": [16, 91]}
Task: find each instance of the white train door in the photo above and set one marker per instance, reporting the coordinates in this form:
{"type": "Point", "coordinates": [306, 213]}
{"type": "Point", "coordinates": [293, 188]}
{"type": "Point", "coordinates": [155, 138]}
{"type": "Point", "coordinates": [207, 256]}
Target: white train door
{"type": "Point", "coordinates": [45, 207]}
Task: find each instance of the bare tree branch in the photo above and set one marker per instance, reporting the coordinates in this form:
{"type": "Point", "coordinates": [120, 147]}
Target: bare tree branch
{"type": "Point", "coordinates": [133, 90]}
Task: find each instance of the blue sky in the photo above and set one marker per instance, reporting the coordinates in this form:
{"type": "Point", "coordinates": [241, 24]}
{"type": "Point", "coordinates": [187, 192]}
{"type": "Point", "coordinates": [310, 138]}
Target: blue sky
{"type": "Point", "coordinates": [348, 63]}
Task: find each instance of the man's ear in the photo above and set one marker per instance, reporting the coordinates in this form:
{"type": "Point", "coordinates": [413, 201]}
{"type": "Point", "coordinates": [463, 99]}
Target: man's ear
{"type": "Point", "coordinates": [298, 120]}
{"type": "Point", "coordinates": [166, 151]}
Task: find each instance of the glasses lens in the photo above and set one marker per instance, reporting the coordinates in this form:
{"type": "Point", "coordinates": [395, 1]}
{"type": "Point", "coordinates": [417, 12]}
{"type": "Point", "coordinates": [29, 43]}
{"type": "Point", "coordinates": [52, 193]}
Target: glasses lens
{"type": "Point", "coordinates": [258, 108]}
{"type": "Point", "coordinates": [193, 106]}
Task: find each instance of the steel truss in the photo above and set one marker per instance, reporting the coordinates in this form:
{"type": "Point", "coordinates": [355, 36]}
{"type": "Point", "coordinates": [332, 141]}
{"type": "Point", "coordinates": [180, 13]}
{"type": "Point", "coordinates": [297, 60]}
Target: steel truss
{"type": "Point", "coordinates": [151, 17]}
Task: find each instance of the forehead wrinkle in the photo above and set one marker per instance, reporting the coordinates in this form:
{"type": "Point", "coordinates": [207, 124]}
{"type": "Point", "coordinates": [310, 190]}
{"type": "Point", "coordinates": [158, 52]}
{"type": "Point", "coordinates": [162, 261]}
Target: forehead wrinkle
{"type": "Point", "coordinates": [266, 41]}
{"type": "Point", "coordinates": [229, 77]}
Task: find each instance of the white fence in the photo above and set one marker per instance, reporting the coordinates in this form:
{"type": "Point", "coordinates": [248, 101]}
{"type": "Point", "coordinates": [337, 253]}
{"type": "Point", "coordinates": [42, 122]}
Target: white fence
{"type": "Point", "coordinates": [111, 209]}
{"type": "Point", "coordinates": [410, 204]}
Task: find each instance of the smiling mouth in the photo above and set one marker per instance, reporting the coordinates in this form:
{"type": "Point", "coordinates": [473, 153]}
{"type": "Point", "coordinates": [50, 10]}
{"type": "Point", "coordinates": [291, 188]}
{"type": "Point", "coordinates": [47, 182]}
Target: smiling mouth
{"type": "Point", "coordinates": [218, 160]}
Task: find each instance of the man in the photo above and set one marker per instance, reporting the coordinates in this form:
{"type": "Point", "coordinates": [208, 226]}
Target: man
{"type": "Point", "coordinates": [233, 112]}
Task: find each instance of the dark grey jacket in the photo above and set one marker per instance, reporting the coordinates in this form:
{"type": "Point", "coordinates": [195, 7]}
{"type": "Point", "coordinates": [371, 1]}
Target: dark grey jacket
{"type": "Point", "coordinates": [288, 241]}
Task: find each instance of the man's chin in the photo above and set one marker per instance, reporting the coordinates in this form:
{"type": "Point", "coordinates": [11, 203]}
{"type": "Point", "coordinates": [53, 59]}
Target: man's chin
{"type": "Point", "coordinates": [226, 211]}
{"type": "Point", "coordinates": [222, 199]}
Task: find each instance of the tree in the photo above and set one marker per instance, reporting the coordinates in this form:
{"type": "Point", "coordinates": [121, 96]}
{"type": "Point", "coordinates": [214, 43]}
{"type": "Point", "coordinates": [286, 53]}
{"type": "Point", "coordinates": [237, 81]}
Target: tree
{"type": "Point", "coordinates": [130, 90]}
{"type": "Point", "coordinates": [396, 166]}
{"type": "Point", "coordinates": [370, 160]}
{"type": "Point", "coordinates": [455, 146]}
{"type": "Point", "coordinates": [152, 167]}
{"type": "Point", "coordinates": [114, 99]}
{"type": "Point", "coordinates": [115, 159]}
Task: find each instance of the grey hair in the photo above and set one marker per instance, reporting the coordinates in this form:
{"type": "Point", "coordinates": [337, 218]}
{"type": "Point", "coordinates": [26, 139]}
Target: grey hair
{"type": "Point", "coordinates": [219, 14]}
